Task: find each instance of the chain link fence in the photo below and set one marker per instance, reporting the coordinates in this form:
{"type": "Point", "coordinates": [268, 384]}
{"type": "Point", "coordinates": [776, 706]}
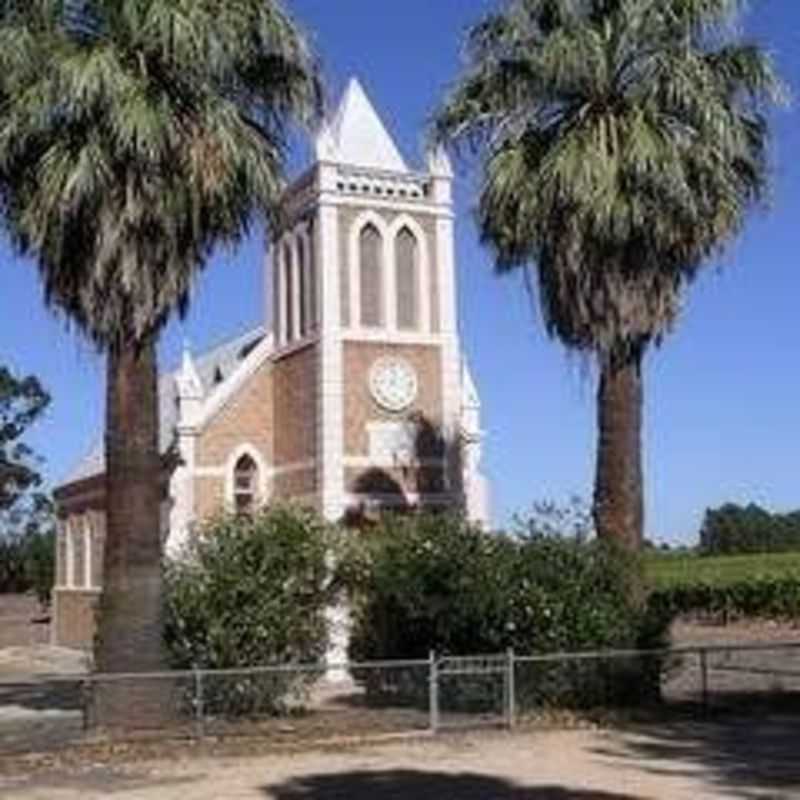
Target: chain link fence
{"type": "Point", "coordinates": [303, 703]}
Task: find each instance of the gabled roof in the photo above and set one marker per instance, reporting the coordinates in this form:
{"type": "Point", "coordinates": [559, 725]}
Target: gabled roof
{"type": "Point", "coordinates": [213, 368]}
{"type": "Point", "coordinates": [355, 135]}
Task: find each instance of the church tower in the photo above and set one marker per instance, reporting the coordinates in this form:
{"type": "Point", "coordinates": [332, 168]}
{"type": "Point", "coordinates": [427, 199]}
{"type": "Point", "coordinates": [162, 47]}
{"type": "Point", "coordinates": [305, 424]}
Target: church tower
{"type": "Point", "coordinates": [369, 383]}
{"type": "Point", "coordinates": [358, 398]}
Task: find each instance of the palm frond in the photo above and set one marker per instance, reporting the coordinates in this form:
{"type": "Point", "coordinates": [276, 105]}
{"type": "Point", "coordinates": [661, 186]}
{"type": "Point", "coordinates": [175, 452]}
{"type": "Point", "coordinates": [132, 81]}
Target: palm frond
{"type": "Point", "coordinates": [135, 136]}
{"type": "Point", "coordinates": [622, 144]}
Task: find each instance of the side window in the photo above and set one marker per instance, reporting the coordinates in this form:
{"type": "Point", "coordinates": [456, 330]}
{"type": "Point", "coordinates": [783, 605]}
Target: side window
{"type": "Point", "coordinates": [288, 296]}
{"type": "Point", "coordinates": [245, 485]}
{"type": "Point", "coordinates": [302, 288]}
{"type": "Point", "coordinates": [407, 266]}
{"type": "Point", "coordinates": [371, 277]}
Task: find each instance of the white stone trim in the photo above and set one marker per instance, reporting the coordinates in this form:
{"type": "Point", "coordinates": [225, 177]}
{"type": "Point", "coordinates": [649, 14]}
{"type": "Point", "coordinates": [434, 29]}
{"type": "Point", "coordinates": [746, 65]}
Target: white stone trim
{"type": "Point", "coordinates": [223, 470]}
{"type": "Point", "coordinates": [279, 281]}
{"type": "Point", "coordinates": [451, 350]}
{"type": "Point", "coordinates": [69, 555]}
{"type": "Point", "coordinates": [269, 288]}
{"type": "Point", "coordinates": [393, 337]}
{"type": "Point", "coordinates": [289, 469]}
{"type": "Point", "coordinates": [330, 416]}
{"type": "Point", "coordinates": [366, 462]}
{"type": "Point", "coordinates": [226, 391]}
{"type": "Point", "coordinates": [209, 472]}
{"type": "Point", "coordinates": [293, 347]}
{"type": "Point", "coordinates": [440, 210]}
{"type": "Point", "coordinates": [88, 581]}
{"type": "Point", "coordinates": [246, 449]}
{"type": "Point", "coordinates": [404, 220]}
{"type": "Point", "coordinates": [378, 499]}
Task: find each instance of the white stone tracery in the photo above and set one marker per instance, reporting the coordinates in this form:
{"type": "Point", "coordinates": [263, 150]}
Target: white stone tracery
{"type": "Point", "coordinates": [389, 234]}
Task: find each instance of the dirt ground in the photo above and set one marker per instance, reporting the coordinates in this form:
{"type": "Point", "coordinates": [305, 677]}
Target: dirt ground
{"type": "Point", "coordinates": [672, 762]}
{"type": "Point", "coordinates": [726, 757]}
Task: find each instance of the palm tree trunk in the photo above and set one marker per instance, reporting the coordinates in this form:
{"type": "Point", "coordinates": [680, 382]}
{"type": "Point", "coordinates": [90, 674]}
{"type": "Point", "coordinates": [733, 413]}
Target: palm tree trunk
{"type": "Point", "coordinates": [618, 491]}
{"type": "Point", "coordinates": [129, 637]}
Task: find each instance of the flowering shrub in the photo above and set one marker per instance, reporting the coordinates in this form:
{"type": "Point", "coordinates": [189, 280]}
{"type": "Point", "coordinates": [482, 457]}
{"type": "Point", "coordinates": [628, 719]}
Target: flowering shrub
{"type": "Point", "coordinates": [250, 591]}
{"type": "Point", "coordinates": [434, 582]}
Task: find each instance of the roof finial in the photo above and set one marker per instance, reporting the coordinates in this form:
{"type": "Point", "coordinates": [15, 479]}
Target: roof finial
{"type": "Point", "coordinates": [189, 383]}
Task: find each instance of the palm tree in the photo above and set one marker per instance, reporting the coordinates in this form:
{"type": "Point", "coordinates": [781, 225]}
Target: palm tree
{"type": "Point", "coordinates": [135, 137]}
{"type": "Point", "coordinates": [622, 143]}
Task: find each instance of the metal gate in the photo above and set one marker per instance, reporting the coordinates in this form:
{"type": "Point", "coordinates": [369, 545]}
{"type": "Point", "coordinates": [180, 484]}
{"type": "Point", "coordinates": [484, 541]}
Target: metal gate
{"type": "Point", "coordinates": [470, 691]}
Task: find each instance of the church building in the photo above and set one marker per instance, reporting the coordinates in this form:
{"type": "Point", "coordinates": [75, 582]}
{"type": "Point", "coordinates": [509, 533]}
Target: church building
{"type": "Point", "coordinates": [353, 396]}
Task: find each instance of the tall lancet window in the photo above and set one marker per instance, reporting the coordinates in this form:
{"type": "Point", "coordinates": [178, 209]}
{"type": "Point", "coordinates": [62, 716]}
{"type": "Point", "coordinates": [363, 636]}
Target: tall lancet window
{"type": "Point", "coordinates": [313, 320]}
{"type": "Point", "coordinates": [288, 293]}
{"type": "Point", "coordinates": [245, 485]}
{"type": "Point", "coordinates": [407, 266]}
{"type": "Point", "coordinates": [302, 279]}
{"type": "Point", "coordinates": [371, 277]}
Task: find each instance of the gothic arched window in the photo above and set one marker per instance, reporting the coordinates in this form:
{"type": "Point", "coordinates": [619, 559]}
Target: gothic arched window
{"type": "Point", "coordinates": [302, 284]}
{"type": "Point", "coordinates": [407, 275]}
{"type": "Point", "coordinates": [371, 277]}
{"type": "Point", "coordinates": [288, 294]}
{"type": "Point", "coordinates": [245, 485]}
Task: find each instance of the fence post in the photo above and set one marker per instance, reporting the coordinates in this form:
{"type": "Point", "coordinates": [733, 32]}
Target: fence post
{"type": "Point", "coordinates": [704, 679]}
{"type": "Point", "coordinates": [86, 702]}
{"type": "Point", "coordinates": [511, 688]}
{"type": "Point", "coordinates": [433, 696]}
{"type": "Point", "coordinates": [199, 704]}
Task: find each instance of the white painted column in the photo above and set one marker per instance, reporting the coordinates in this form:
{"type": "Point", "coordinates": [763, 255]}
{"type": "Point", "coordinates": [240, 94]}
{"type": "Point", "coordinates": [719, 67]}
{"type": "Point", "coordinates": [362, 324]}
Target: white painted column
{"type": "Point", "coordinates": [331, 386]}
{"type": "Point", "coordinates": [279, 279]}
{"type": "Point", "coordinates": [87, 550]}
{"type": "Point", "coordinates": [270, 306]}
{"type": "Point", "coordinates": [181, 485]}
{"type": "Point", "coordinates": [69, 553]}
{"type": "Point", "coordinates": [424, 285]}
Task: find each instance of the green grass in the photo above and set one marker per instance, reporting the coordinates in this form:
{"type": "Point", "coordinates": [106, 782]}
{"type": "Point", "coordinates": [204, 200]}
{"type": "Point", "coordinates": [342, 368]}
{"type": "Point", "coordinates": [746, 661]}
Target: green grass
{"type": "Point", "coordinates": [666, 571]}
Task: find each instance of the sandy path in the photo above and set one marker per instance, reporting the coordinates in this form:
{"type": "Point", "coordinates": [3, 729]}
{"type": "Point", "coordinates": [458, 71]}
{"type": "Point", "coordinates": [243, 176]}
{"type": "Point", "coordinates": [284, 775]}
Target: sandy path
{"type": "Point", "coordinates": [579, 765]}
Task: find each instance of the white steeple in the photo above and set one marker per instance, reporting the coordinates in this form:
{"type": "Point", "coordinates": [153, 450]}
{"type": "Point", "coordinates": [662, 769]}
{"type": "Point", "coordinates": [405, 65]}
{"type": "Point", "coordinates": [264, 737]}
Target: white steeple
{"type": "Point", "coordinates": [190, 390]}
{"type": "Point", "coordinates": [356, 137]}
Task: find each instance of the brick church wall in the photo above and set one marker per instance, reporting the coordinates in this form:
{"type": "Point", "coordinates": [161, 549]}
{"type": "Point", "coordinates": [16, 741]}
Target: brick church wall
{"type": "Point", "coordinates": [246, 418]}
{"type": "Point", "coordinates": [295, 405]}
{"type": "Point", "coordinates": [360, 408]}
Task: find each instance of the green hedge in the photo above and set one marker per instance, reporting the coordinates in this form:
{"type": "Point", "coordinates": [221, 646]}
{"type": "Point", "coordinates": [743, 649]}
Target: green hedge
{"type": "Point", "coordinates": [434, 582]}
{"type": "Point", "coordinates": [251, 591]}
{"type": "Point", "coordinates": [758, 597]}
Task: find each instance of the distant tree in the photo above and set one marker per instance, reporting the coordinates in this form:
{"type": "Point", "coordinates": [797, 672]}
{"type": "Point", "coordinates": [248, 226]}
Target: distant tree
{"type": "Point", "coordinates": [623, 144]}
{"type": "Point", "coordinates": [732, 529]}
{"type": "Point", "coordinates": [27, 547]}
{"type": "Point", "coordinates": [22, 402]}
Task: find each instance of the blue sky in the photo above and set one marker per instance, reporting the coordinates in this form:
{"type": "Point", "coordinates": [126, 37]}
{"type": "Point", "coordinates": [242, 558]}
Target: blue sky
{"type": "Point", "coordinates": [722, 395]}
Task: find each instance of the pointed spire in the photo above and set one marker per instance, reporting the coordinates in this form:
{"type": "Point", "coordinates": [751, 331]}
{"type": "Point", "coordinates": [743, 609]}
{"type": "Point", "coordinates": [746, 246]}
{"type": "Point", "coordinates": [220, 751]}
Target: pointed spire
{"type": "Point", "coordinates": [356, 136]}
{"type": "Point", "coordinates": [189, 384]}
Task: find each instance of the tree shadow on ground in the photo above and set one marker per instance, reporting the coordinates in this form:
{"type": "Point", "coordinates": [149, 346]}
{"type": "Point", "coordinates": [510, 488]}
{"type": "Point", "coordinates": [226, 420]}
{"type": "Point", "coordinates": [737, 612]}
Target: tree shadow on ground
{"type": "Point", "coordinates": [422, 785]}
{"type": "Point", "coordinates": [744, 755]}
{"type": "Point", "coordinates": [43, 695]}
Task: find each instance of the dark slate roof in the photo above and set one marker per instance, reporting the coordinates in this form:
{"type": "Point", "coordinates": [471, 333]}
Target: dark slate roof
{"type": "Point", "coordinates": [214, 367]}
